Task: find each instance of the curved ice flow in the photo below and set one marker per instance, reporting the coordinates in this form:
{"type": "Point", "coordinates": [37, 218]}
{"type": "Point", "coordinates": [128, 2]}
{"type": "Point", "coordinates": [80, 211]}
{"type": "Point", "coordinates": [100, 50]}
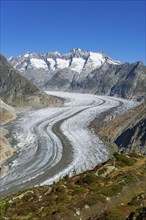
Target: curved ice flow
{"type": "Point", "coordinates": [42, 158]}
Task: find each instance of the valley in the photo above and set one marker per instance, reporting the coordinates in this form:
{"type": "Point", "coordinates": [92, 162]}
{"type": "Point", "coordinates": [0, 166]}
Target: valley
{"type": "Point", "coordinates": [72, 110]}
{"type": "Point", "coordinates": [54, 142]}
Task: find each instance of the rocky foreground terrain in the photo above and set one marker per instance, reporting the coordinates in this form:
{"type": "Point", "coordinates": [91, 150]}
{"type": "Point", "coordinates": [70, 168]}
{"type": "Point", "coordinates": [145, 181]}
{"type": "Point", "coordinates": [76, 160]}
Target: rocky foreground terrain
{"type": "Point", "coordinates": [114, 190]}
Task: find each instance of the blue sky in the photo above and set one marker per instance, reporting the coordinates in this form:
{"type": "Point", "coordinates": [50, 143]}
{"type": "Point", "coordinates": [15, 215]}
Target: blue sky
{"type": "Point", "coordinates": [115, 27]}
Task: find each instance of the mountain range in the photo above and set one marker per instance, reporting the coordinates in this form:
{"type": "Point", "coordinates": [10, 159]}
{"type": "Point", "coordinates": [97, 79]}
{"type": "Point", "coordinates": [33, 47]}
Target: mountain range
{"type": "Point", "coordinates": [83, 71]}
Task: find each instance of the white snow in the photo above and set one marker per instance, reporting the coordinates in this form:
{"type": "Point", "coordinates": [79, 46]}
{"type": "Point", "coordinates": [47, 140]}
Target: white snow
{"type": "Point", "coordinates": [57, 53]}
{"type": "Point", "coordinates": [52, 63]}
{"type": "Point", "coordinates": [61, 63]}
{"type": "Point", "coordinates": [23, 67]}
{"type": "Point", "coordinates": [113, 62]}
{"type": "Point", "coordinates": [95, 60]}
{"type": "Point", "coordinates": [38, 63]}
{"type": "Point", "coordinates": [77, 64]}
{"type": "Point", "coordinates": [10, 58]}
{"type": "Point", "coordinates": [26, 55]}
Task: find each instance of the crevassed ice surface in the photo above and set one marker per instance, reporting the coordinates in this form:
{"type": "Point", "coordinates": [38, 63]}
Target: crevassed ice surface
{"type": "Point", "coordinates": [53, 142]}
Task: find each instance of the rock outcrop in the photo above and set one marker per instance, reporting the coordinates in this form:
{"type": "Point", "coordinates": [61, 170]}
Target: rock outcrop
{"type": "Point", "coordinates": [16, 90]}
{"type": "Point", "coordinates": [127, 131]}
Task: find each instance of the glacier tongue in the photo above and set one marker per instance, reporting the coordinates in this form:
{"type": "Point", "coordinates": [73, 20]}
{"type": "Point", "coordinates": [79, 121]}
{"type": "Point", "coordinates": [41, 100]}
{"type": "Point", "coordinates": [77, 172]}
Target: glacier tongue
{"type": "Point", "coordinates": [54, 142]}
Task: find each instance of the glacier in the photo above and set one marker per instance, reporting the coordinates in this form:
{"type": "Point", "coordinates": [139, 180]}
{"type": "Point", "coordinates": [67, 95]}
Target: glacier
{"type": "Point", "coordinates": [54, 142]}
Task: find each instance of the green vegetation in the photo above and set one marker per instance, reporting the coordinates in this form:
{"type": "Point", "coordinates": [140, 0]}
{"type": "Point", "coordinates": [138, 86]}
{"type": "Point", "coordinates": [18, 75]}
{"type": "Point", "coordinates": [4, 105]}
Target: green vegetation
{"type": "Point", "coordinates": [83, 192]}
{"type": "Point", "coordinates": [123, 160]}
{"type": "Point", "coordinates": [87, 179]}
{"type": "Point", "coordinates": [60, 188]}
{"type": "Point", "coordinates": [61, 209]}
{"type": "Point", "coordinates": [129, 178]}
{"type": "Point", "coordinates": [80, 190]}
{"type": "Point", "coordinates": [135, 155]}
{"type": "Point", "coordinates": [92, 200]}
{"type": "Point", "coordinates": [62, 197]}
{"type": "Point", "coordinates": [113, 190]}
{"type": "Point", "coordinates": [101, 171]}
{"type": "Point", "coordinates": [3, 206]}
{"type": "Point", "coordinates": [114, 215]}
{"type": "Point", "coordinates": [137, 200]}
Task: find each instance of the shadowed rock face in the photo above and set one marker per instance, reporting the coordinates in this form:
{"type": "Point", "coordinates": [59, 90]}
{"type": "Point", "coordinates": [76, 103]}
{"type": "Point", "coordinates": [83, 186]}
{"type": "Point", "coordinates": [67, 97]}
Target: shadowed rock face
{"type": "Point", "coordinates": [126, 81]}
{"type": "Point", "coordinates": [16, 90]}
{"type": "Point", "coordinates": [83, 71]}
{"type": "Point", "coordinates": [127, 131]}
{"type": "Point", "coordinates": [133, 137]}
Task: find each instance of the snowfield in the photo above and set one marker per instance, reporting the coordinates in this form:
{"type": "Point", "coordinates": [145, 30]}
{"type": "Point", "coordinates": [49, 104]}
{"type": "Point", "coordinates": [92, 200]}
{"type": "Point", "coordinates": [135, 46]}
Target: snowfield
{"type": "Point", "coordinates": [54, 142]}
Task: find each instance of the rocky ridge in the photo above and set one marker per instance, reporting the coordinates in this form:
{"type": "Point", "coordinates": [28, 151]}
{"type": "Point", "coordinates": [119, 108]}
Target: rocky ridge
{"type": "Point", "coordinates": [16, 90]}
{"type": "Point", "coordinates": [83, 71]}
{"type": "Point", "coordinates": [127, 131]}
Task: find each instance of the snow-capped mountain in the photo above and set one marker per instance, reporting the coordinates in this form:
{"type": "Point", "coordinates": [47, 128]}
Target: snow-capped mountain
{"type": "Point", "coordinates": [77, 60]}
{"type": "Point", "coordinates": [83, 71]}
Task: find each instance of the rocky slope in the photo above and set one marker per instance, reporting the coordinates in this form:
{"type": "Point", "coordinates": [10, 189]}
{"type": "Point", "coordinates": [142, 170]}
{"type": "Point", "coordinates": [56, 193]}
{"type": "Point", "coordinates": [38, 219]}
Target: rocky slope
{"type": "Point", "coordinates": [127, 131]}
{"type": "Point", "coordinates": [16, 90]}
{"type": "Point", "coordinates": [109, 192]}
{"type": "Point", "coordinates": [83, 71]}
{"type": "Point", "coordinates": [7, 113]}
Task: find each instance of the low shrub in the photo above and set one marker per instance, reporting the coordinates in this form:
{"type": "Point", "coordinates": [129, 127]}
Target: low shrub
{"type": "Point", "coordinates": [135, 155]}
{"type": "Point", "coordinates": [62, 197]}
{"type": "Point", "coordinates": [92, 200]}
{"type": "Point", "coordinates": [60, 188]}
{"type": "Point", "coordinates": [101, 171]}
{"type": "Point", "coordinates": [123, 160]}
{"type": "Point", "coordinates": [80, 190]}
{"type": "Point", "coordinates": [113, 190]}
{"type": "Point", "coordinates": [114, 215]}
{"type": "Point", "coordinates": [3, 207]}
{"type": "Point", "coordinates": [129, 178]}
{"type": "Point", "coordinates": [137, 200]}
{"type": "Point", "coordinates": [87, 179]}
{"type": "Point", "coordinates": [61, 209]}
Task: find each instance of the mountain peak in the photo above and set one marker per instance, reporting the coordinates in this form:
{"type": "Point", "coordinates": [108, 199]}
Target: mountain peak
{"type": "Point", "coordinates": [26, 54]}
{"type": "Point", "coordinates": [77, 60]}
{"type": "Point", "coordinates": [75, 50]}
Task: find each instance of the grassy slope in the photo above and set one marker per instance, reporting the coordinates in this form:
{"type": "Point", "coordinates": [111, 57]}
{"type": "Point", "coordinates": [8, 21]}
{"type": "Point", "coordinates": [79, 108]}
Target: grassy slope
{"type": "Point", "coordinates": [107, 192]}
